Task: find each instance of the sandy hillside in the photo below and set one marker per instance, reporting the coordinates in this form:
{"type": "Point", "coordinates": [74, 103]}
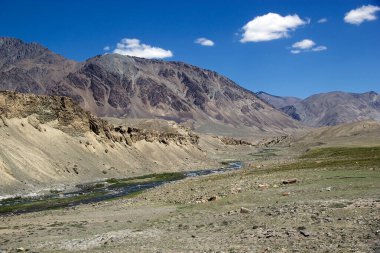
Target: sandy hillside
{"type": "Point", "coordinates": [51, 146]}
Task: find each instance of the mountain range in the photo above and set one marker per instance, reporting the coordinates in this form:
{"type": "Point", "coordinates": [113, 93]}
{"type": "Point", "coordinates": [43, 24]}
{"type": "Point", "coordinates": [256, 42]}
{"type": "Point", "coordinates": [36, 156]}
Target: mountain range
{"type": "Point", "coordinates": [328, 109]}
{"type": "Point", "coordinates": [113, 85]}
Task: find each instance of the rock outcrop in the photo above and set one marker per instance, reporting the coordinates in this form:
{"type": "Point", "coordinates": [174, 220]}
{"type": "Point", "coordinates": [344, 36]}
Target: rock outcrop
{"type": "Point", "coordinates": [233, 141]}
{"type": "Point", "coordinates": [50, 141]}
{"type": "Point", "coordinates": [64, 114]}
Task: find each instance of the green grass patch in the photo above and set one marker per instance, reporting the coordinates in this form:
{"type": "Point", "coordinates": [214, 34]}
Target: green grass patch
{"type": "Point", "coordinates": [229, 162]}
{"type": "Point", "coordinates": [98, 185]}
{"type": "Point", "coordinates": [342, 157]}
{"type": "Point", "coordinates": [332, 159]}
{"type": "Point", "coordinates": [46, 204]}
{"type": "Point", "coordinates": [264, 154]}
{"type": "Point", "coordinates": [150, 178]}
{"type": "Point", "coordinates": [53, 203]}
{"type": "Point", "coordinates": [343, 152]}
{"type": "Point", "coordinates": [10, 200]}
{"type": "Point", "coordinates": [338, 205]}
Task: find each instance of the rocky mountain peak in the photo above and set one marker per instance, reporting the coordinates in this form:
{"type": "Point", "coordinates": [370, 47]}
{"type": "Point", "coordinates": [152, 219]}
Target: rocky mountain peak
{"type": "Point", "coordinates": [123, 86]}
{"type": "Point", "coordinates": [30, 67]}
{"type": "Point", "coordinates": [14, 50]}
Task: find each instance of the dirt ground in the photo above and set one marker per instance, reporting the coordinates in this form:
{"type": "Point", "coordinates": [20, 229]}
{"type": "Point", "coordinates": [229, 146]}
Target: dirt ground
{"type": "Point", "coordinates": [333, 205]}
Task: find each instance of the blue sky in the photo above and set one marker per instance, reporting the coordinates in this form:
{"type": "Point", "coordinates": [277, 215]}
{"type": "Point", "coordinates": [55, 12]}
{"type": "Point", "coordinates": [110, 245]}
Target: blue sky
{"type": "Point", "coordinates": [351, 62]}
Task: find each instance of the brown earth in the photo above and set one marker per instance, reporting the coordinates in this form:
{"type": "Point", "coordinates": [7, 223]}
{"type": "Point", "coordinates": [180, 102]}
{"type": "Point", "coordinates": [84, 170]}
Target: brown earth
{"type": "Point", "coordinates": [332, 206]}
{"type": "Point", "coordinates": [59, 143]}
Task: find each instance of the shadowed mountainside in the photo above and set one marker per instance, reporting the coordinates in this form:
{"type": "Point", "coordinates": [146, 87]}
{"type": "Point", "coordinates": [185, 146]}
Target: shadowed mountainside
{"type": "Point", "coordinates": [121, 86]}
{"type": "Point", "coordinates": [30, 67]}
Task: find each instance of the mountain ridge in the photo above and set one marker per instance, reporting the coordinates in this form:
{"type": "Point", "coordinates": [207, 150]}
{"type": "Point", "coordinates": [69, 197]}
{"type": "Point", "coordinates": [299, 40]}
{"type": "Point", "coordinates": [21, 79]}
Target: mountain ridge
{"type": "Point", "coordinates": [334, 108]}
{"type": "Point", "coordinates": [113, 85]}
{"type": "Point", "coordinates": [277, 101]}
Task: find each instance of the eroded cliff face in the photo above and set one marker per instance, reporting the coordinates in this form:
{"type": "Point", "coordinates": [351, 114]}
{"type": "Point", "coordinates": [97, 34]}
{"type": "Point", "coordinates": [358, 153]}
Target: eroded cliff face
{"type": "Point", "coordinates": [48, 141]}
{"type": "Point", "coordinates": [64, 114]}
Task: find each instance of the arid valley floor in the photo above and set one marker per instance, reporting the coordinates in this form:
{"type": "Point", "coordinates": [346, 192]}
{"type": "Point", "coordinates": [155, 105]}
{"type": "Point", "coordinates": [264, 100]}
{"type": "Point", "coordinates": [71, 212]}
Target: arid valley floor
{"type": "Point", "coordinates": [290, 197]}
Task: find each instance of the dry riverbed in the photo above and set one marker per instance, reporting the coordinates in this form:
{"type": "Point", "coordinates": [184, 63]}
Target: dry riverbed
{"type": "Point", "coordinates": [327, 201]}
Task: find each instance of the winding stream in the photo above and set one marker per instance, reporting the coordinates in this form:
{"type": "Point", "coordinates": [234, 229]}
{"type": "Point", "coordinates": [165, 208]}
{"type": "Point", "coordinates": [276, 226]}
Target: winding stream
{"type": "Point", "coordinates": [101, 191]}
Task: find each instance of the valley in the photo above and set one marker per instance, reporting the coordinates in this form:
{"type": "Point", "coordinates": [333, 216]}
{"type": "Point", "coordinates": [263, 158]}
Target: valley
{"type": "Point", "coordinates": [125, 154]}
{"type": "Point", "coordinates": [315, 190]}
{"type": "Point", "coordinates": [331, 203]}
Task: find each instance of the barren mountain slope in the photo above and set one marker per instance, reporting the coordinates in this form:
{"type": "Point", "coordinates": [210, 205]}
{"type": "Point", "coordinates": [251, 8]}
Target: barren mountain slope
{"type": "Point", "coordinates": [115, 85]}
{"type": "Point", "coordinates": [30, 67]}
{"type": "Point", "coordinates": [333, 108]}
{"type": "Point", "coordinates": [277, 101]}
{"type": "Point", "coordinates": [48, 141]}
{"type": "Point", "coordinates": [363, 133]}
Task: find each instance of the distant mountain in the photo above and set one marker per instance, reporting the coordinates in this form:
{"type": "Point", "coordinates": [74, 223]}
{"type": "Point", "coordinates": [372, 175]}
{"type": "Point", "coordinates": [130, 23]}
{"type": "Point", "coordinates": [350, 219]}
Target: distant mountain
{"type": "Point", "coordinates": [333, 108]}
{"type": "Point", "coordinates": [121, 86]}
{"type": "Point", "coordinates": [277, 101]}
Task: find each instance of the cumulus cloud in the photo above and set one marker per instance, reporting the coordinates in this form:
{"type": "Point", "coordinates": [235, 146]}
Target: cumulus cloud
{"type": "Point", "coordinates": [361, 14]}
{"type": "Point", "coordinates": [271, 26]}
{"type": "Point", "coordinates": [107, 48]}
{"type": "Point", "coordinates": [322, 20]}
{"type": "Point", "coordinates": [306, 45]}
{"type": "Point", "coordinates": [204, 42]}
{"type": "Point", "coordinates": [134, 47]}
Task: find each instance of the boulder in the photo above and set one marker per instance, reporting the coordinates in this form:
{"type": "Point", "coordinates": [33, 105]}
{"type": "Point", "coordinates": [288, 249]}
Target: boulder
{"type": "Point", "coordinates": [263, 186]}
{"type": "Point", "coordinates": [290, 181]}
{"type": "Point", "coordinates": [34, 122]}
{"type": "Point", "coordinates": [244, 210]}
{"type": "Point", "coordinates": [214, 198]}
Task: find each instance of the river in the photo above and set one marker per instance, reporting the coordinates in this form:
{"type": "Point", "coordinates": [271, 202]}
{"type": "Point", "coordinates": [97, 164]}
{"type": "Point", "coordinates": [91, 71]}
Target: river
{"type": "Point", "coordinates": [101, 191]}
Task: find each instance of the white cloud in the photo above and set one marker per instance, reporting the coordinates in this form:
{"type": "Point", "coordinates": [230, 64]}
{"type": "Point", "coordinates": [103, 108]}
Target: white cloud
{"type": "Point", "coordinates": [295, 51]}
{"type": "Point", "coordinates": [204, 42]}
{"type": "Point", "coordinates": [319, 48]}
{"type": "Point", "coordinates": [306, 45]}
{"type": "Point", "coordinates": [107, 48]}
{"type": "Point", "coordinates": [361, 14]}
{"type": "Point", "coordinates": [133, 47]}
{"type": "Point", "coordinates": [322, 20]}
{"type": "Point", "coordinates": [271, 26]}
